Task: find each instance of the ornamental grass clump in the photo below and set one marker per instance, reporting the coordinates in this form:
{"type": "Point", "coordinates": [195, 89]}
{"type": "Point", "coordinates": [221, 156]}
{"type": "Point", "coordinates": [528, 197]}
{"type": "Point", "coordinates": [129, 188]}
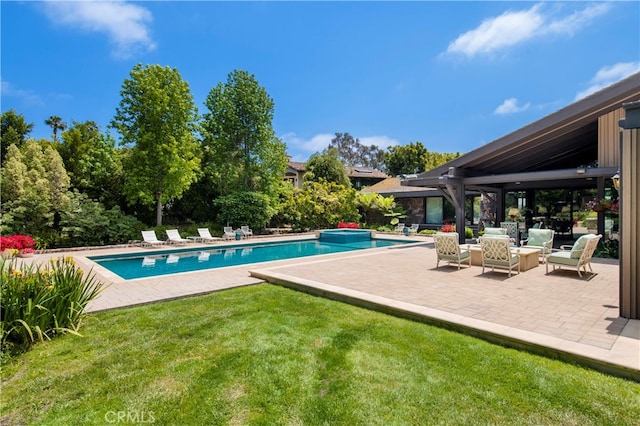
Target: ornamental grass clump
{"type": "Point", "coordinates": [39, 302]}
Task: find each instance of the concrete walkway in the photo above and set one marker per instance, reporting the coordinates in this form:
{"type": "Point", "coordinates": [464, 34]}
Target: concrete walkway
{"type": "Point", "coordinates": [557, 315]}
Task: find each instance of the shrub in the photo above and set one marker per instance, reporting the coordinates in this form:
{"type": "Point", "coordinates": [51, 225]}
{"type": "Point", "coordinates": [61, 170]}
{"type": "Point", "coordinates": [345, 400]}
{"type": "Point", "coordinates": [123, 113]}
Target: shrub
{"type": "Point", "coordinates": [348, 225]}
{"type": "Point", "coordinates": [448, 228]}
{"type": "Point", "coordinates": [39, 302]}
{"type": "Point", "coordinates": [468, 232]}
{"type": "Point", "coordinates": [17, 242]}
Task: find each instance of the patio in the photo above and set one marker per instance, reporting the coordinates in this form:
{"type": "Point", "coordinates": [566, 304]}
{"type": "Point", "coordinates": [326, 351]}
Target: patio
{"type": "Point", "coordinates": [557, 315]}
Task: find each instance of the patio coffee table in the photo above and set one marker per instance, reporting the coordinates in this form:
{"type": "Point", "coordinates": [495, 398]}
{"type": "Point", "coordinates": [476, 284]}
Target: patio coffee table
{"type": "Point", "coordinates": [529, 258]}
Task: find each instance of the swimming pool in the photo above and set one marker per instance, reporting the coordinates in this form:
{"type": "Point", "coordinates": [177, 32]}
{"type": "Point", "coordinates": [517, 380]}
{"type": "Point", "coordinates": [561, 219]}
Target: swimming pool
{"type": "Point", "coordinates": [155, 263]}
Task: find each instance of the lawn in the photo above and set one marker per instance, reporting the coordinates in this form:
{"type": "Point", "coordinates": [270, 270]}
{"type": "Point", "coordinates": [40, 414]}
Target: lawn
{"type": "Point", "coordinates": [270, 355]}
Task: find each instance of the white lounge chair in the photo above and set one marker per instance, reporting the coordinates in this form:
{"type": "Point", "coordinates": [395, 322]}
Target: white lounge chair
{"type": "Point", "coordinates": [175, 238]}
{"type": "Point", "coordinates": [400, 228]}
{"type": "Point", "coordinates": [206, 237]}
{"type": "Point", "coordinates": [150, 239]}
{"type": "Point", "coordinates": [414, 228]}
{"type": "Point", "coordinates": [497, 253]}
{"type": "Point", "coordinates": [579, 255]}
{"type": "Point", "coordinates": [449, 250]}
{"type": "Point", "coordinates": [246, 231]}
{"type": "Point", "coordinates": [229, 233]}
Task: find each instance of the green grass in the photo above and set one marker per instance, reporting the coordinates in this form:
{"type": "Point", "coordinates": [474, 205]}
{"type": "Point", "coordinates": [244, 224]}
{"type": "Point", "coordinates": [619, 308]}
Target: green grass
{"type": "Point", "coordinates": [273, 356]}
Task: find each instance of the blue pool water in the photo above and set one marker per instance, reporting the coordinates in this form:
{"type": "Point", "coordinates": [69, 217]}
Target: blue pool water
{"type": "Point", "coordinates": [154, 263]}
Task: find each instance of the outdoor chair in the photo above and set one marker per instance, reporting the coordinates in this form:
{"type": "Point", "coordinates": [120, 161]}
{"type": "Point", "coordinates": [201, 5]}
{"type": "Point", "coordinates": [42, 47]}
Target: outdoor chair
{"type": "Point", "coordinates": [497, 253]}
{"type": "Point", "coordinates": [175, 238]}
{"type": "Point", "coordinates": [494, 232]}
{"type": "Point", "coordinates": [205, 235]}
{"type": "Point", "coordinates": [414, 228]}
{"type": "Point", "coordinates": [400, 228]}
{"type": "Point", "coordinates": [577, 256]}
{"type": "Point", "coordinates": [448, 249]}
{"type": "Point", "coordinates": [150, 239]}
{"type": "Point", "coordinates": [539, 239]}
{"type": "Point", "coordinates": [246, 231]}
{"type": "Point", "coordinates": [512, 230]}
{"type": "Point", "coordinates": [229, 233]}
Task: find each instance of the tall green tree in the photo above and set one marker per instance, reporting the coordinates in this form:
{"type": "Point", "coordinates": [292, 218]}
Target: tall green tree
{"type": "Point", "coordinates": [158, 119]}
{"type": "Point", "coordinates": [241, 150]}
{"type": "Point", "coordinates": [352, 153]}
{"type": "Point", "coordinates": [92, 162]}
{"type": "Point", "coordinates": [56, 123]}
{"type": "Point", "coordinates": [14, 130]}
{"type": "Point", "coordinates": [35, 188]}
{"type": "Point", "coordinates": [328, 167]}
{"type": "Point", "coordinates": [414, 158]}
{"type": "Point", "coordinates": [406, 159]}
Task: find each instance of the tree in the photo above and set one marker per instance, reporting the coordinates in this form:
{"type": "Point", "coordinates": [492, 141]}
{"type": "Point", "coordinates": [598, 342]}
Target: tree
{"type": "Point", "coordinates": [406, 159]}
{"type": "Point", "coordinates": [56, 124]}
{"type": "Point", "coordinates": [320, 205]}
{"type": "Point", "coordinates": [327, 167]}
{"type": "Point", "coordinates": [92, 162]}
{"type": "Point", "coordinates": [35, 188]}
{"type": "Point", "coordinates": [14, 130]}
{"type": "Point", "coordinates": [352, 153]}
{"type": "Point", "coordinates": [242, 152]}
{"type": "Point", "coordinates": [158, 118]}
{"type": "Point", "coordinates": [414, 158]}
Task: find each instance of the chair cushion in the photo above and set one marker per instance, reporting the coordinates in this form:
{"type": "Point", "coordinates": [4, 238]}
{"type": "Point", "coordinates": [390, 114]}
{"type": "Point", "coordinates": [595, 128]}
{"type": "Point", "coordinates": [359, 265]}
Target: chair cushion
{"type": "Point", "coordinates": [494, 231]}
{"type": "Point", "coordinates": [563, 258]}
{"type": "Point", "coordinates": [538, 237]}
{"type": "Point", "coordinates": [579, 245]}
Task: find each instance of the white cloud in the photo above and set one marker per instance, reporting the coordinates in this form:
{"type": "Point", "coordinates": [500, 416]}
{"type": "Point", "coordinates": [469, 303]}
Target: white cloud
{"type": "Point", "coordinates": [125, 24]}
{"type": "Point", "coordinates": [301, 149]}
{"type": "Point", "coordinates": [512, 28]}
{"type": "Point", "coordinates": [27, 96]}
{"type": "Point", "coordinates": [606, 76]}
{"type": "Point", "coordinates": [510, 106]}
{"type": "Point", "coordinates": [382, 142]}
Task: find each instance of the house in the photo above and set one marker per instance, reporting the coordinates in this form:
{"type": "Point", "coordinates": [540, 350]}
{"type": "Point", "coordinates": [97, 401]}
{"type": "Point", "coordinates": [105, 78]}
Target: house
{"type": "Point", "coordinates": [546, 171]}
{"type": "Point", "coordinates": [360, 177]}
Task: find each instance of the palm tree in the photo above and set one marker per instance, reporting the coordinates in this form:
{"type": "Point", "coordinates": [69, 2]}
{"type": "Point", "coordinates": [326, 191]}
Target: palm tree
{"type": "Point", "coordinates": [56, 124]}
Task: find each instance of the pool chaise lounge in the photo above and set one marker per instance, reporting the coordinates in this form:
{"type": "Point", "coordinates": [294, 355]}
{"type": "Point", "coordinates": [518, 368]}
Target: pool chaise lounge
{"type": "Point", "coordinates": [149, 238]}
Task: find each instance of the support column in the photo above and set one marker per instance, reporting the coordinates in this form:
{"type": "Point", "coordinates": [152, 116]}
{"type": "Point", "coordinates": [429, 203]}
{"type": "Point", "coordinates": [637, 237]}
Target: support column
{"type": "Point", "coordinates": [629, 217]}
{"type": "Point", "coordinates": [460, 219]}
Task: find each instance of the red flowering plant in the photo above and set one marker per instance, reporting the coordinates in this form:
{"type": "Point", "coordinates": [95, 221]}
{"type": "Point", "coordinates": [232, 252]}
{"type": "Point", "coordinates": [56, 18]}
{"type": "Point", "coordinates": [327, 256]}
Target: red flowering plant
{"type": "Point", "coordinates": [448, 228]}
{"type": "Point", "coordinates": [349, 225]}
{"type": "Point", "coordinates": [22, 243]}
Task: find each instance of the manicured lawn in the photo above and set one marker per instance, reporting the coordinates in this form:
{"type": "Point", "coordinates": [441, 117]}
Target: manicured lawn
{"type": "Point", "coordinates": [269, 355]}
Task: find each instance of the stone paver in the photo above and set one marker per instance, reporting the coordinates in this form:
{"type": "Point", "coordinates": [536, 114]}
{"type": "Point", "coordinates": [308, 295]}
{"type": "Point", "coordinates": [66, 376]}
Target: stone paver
{"type": "Point", "coordinates": [557, 311]}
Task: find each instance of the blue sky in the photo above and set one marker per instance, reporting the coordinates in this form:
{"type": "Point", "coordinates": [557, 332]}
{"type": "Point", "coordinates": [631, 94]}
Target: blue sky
{"type": "Point", "coordinates": [452, 75]}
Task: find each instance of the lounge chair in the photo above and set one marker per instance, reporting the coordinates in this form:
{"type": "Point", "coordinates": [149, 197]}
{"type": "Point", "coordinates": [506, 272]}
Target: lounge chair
{"type": "Point", "coordinates": [150, 239]}
{"type": "Point", "coordinates": [400, 228]}
{"type": "Point", "coordinates": [512, 230]}
{"type": "Point", "coordinates": [414, 228]}
{"type": "Point", "coordinates": [229, 233]}
{"type": "Point", "coordinates": [175, 238]}
{"type": "Point", "coordinates": [246, 231]}
{"type": "Point", "coordinates": [577, 256]}
{"type": "Point", "coordinates": [539, 239]}
{"type": "Point", "coordinates": [206, 237]}
{"type": "Point", "coordinates": [496, 253]}
{"type": "Point", "coordinates": [449, 250]}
